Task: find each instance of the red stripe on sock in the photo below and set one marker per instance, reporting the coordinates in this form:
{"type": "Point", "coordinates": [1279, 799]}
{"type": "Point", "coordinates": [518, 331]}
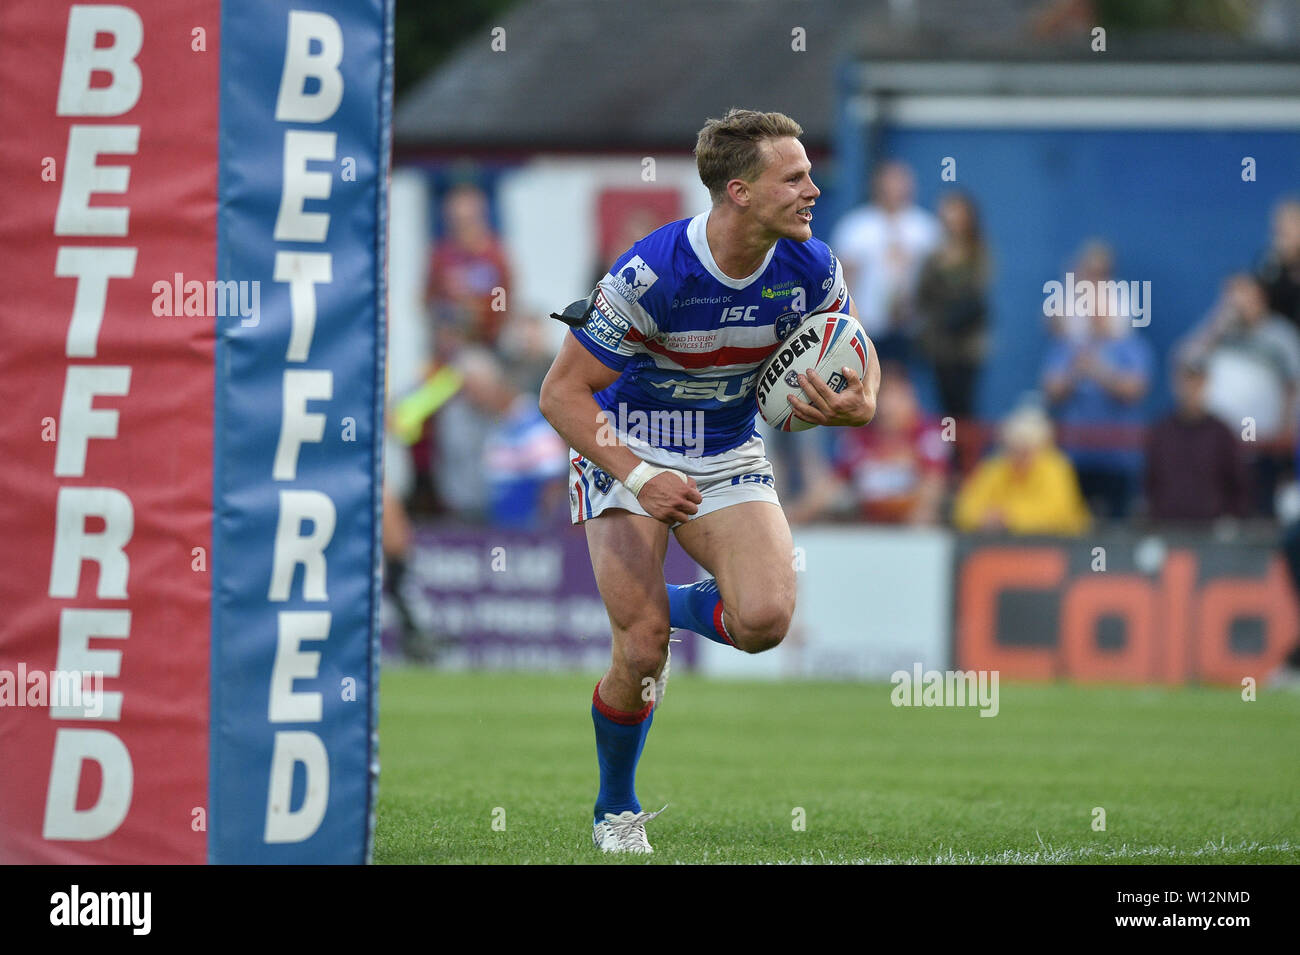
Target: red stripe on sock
{"type": "Point", "coordinates": [622, 717]}
{"type": "Point", "coordinates": [718, 625]}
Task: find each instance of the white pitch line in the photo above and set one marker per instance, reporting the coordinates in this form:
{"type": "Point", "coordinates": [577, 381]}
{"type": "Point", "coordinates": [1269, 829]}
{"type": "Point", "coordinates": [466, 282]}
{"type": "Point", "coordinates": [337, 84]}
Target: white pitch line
{"type": "Point", "coordinates": [1050, 855]}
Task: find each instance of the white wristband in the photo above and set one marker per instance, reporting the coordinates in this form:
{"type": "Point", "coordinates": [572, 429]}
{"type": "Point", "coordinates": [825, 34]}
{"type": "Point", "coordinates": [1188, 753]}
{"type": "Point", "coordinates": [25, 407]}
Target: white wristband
{"type": "Point", "coordinates": [643, 473]}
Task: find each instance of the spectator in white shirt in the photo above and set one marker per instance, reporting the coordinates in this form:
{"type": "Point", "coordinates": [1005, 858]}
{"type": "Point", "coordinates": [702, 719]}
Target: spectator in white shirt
{"type": "Point", "coordinates": [1253, 356]}
{"type": "Point", "coordinates": [882, 247]}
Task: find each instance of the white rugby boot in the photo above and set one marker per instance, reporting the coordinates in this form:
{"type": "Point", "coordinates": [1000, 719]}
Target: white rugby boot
{"type": "Point", "coordinates": [624, 832]}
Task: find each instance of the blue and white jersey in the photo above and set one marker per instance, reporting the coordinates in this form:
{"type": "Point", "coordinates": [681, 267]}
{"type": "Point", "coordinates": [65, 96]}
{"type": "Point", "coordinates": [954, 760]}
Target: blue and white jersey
{"type": "Point", "coordinates": [689, 338]}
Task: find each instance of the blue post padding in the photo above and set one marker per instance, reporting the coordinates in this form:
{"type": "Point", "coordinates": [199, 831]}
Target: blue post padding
{"type": "Point", "coordinates": [333, 711]}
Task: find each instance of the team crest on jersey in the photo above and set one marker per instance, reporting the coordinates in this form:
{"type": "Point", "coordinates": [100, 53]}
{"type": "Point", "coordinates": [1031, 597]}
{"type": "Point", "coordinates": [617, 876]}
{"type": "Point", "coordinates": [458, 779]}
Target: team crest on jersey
{"type": "Point", "coordinates": [633, 279]}
{"type": "Point", "coordinates": [603, 480]}
{"type": "Point", "coordinates": [787, 323]}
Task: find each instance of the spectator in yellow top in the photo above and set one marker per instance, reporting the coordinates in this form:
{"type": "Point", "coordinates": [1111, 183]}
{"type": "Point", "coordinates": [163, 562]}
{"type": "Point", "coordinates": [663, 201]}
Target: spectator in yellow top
{"type": "Point", "coordinates": [1029, 488]}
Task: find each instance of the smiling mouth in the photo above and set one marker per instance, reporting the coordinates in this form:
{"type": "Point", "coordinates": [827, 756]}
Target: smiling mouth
{"type": "Point", "coordinates": [805, 214]}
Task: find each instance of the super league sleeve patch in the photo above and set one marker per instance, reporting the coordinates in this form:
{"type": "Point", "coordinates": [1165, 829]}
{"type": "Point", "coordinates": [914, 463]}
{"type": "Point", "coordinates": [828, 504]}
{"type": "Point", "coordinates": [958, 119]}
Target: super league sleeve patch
{"type": "Point", "coordinates": [606, 325]}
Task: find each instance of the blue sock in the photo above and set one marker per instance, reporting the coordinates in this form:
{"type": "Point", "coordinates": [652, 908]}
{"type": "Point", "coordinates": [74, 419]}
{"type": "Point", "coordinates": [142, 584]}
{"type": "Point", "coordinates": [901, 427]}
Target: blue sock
{"type": "Point", "coordinates": [620, 737]}
{"type": "Point", "coordinates": [698, 607]}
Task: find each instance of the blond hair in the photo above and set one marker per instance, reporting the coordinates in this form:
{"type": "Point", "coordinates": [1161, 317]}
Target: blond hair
{"type": "Point", "coordinates": [729, 148]}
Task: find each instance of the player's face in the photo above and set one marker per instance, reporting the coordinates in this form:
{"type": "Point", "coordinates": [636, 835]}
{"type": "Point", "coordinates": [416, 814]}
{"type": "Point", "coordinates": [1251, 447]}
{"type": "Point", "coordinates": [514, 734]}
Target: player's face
{"type": "Point", "coordinates": [782, 197]}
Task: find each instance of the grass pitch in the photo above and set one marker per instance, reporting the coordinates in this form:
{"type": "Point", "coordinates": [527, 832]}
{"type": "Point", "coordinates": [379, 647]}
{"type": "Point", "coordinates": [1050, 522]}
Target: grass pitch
{"type": "Point", "coordinates": [1184, 775]}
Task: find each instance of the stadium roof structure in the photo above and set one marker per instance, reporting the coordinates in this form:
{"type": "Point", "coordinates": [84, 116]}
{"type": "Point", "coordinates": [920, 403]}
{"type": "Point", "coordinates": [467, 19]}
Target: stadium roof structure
{"type": "Point", "coordinates": [586, 75]}
{"type": "Point", "coordinates": [597, 74]}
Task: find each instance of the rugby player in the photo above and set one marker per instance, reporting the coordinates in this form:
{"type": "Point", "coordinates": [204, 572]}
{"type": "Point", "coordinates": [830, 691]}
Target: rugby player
{"type": "Point", "coordinates": [681, 324]}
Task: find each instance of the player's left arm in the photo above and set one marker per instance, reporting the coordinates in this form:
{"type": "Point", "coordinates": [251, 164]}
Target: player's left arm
{"type": "Point", "coordinates": [852, 407]}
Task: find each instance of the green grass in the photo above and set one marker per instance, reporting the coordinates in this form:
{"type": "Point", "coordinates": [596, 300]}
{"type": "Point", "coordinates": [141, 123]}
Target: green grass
{"type": "Point", "coordinates": [1184, 775]}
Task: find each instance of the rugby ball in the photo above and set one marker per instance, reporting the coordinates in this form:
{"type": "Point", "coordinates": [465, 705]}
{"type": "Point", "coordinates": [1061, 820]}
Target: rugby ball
{"type": "Point", "coordinates": [826, 342]}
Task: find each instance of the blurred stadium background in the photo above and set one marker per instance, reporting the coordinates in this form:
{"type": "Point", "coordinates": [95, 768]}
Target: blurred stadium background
{"type": "Point", "coordinates": [1167, 160]}
{"type": "Point", "coordinates": [1106, 496]}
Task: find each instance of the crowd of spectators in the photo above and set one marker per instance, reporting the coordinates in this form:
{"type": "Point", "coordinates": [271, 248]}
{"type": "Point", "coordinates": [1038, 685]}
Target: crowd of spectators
{"type": "Point", "coordinates": [480, 449]}
{"type": "Point", "coordinates": [1081, 449]}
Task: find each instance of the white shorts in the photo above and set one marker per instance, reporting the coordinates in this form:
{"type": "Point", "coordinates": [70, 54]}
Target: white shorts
{"type": "Point", "coordinates": [732, 477]}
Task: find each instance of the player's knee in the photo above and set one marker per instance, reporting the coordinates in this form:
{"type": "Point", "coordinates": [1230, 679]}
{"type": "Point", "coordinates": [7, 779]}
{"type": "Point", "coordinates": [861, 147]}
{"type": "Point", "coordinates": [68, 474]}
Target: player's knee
{"type": "Point", "coordinates": [643, 654]}
{"type": "Point", "coordinates": [758, 643]}
{"type": "Point", "coordinates": [761, 626]}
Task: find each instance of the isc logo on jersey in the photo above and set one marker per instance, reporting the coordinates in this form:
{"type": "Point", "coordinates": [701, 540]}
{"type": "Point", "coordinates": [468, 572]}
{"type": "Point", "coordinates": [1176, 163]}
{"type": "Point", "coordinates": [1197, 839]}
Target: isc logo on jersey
{"type": "Point", "coordinates": [739, 313]}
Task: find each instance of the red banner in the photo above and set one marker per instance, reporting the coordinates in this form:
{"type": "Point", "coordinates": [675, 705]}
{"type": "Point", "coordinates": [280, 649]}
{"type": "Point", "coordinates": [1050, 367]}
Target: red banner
{"type": "Point", "coordinates": [110, 150]}
{"type": "Point", "coordinates": [1123, 608]}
